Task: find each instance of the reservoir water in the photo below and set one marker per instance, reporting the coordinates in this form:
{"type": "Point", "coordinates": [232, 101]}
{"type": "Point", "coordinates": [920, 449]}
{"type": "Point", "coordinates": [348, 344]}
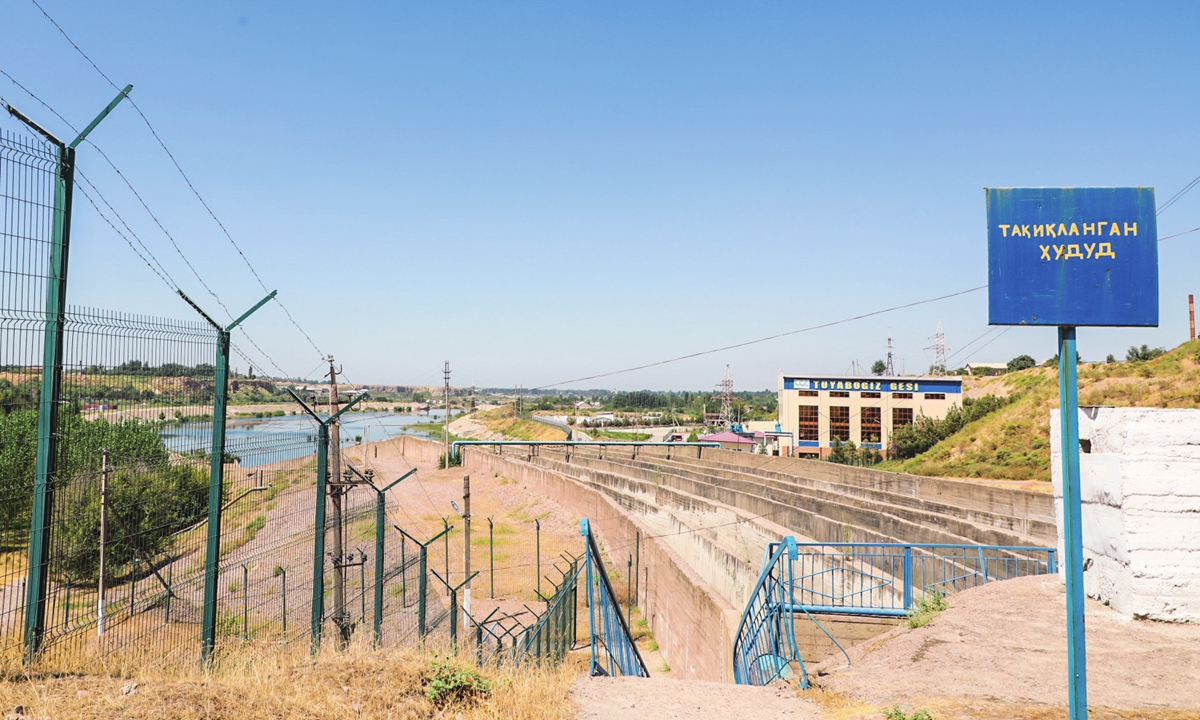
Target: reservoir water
{"type": "Point", "coordinates": [257, 441]}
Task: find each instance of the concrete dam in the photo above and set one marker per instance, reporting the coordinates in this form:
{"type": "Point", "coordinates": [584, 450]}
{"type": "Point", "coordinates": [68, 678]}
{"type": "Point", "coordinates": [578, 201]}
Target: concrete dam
{"type": "Point", "coordinates": [700, 518]}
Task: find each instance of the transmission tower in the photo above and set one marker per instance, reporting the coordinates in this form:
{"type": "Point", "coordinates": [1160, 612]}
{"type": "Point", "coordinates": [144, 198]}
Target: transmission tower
{"type": "Point", "coordinates": [726, 387]}
{"type": "Point", "coordinates": [891, 369]}
{"type": "Point", "coordinates": [939, 351]}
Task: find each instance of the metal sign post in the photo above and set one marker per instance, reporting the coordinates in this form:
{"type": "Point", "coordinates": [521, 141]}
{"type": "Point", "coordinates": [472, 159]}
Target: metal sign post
{"type": "Point", "coordinates": [1072, 257]}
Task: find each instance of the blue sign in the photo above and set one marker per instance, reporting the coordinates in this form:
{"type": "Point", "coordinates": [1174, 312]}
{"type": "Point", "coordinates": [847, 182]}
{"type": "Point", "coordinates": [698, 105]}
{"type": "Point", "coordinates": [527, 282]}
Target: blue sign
{"type": "Point", "coordinates": [1072, 256]}
{"type": "Point", "coordinates": [883, 385]}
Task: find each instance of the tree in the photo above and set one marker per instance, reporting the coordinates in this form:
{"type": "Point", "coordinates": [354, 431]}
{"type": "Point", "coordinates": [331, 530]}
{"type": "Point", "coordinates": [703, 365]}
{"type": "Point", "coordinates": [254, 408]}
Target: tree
{"type": "Point", "coordinates": [1021, 362]}
{"type": "Point", "coordinates": [878, 367]}
{"type": "Point", "coordinates": [1142, 354]}
{"type": "Point", "coordinates": [693, 437]}
{"type": "Point", "coordinates": [1110, 359]}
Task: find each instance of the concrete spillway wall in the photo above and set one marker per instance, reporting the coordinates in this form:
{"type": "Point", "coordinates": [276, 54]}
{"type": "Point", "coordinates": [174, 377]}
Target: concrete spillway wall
{"type": "Point", "coordinates": [704, 518]}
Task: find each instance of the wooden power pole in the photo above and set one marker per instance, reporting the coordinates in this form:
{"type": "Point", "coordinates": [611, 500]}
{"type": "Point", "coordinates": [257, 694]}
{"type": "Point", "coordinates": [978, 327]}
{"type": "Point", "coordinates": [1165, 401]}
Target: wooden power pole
{"type": "Point", "coordinates": [446, 420]}
{"type": "Point", "coordinates": [1192, 316]}
{"type": "Point", "coordinates": [336, 492]}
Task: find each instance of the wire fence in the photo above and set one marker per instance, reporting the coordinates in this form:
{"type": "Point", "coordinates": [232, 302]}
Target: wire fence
{"type": "Point", "coordinates": [142, 521]}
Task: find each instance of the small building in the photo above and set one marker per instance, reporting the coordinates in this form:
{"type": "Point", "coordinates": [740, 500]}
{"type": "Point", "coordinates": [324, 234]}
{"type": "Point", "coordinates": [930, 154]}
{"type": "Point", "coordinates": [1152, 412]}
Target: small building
{"type": "Point", "coordinates": [817, 410]}
{"type": "Point", "coordinates": [732, 441]}
{"type": "Point", "coordinates": [986, 368]}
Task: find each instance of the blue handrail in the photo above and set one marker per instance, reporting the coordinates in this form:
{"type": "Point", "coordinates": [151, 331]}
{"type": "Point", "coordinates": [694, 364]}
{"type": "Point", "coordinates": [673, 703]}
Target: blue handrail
{"type": "Point", "coordinates": [613, 651]}
{"type": "Point", "coordinates": [863, 579]}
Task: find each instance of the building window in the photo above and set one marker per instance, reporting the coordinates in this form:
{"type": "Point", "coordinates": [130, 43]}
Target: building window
{"type": "Point", "coordinates": [935, 396]}
{"type": "Point", "coordinates": [870, 395]}
{"type": "Point", "coordinates": [807, 393]}
{"type": "Point", "coordinates": [902, 396]}
{"type": "Point", "coordinates": [839, 423]}
{"type": "Point", "coordinates": [839, 393]}
{"type": "Point", "coordinates": [901, 417]}
{"type": "Point", "coordinates": [810, 423]}
{"type": "Point", "coordinates": [872, 424]}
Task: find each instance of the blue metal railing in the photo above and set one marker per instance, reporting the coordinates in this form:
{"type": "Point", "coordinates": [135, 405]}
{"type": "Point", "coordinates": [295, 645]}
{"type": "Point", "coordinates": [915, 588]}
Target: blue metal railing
{"type": "Point", "coordinates": [613, 650]}
{"type": "Point", "coordinates": [864, 579]}
{"type": "Point", "coordinates": [886, 579]}
{"type": "Point", "coordinates": [765, 646]}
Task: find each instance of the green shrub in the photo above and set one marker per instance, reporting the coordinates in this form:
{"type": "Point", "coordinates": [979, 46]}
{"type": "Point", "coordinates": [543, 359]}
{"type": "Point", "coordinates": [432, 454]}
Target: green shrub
{"type": "Point", "coordinates": [453, 683]}
{"type": "Point", "coordinates": [896, 713]}
{"type": "Point", "coordinates": [926, 608]}
{"type": "Point", "coordinates": [911, 440]}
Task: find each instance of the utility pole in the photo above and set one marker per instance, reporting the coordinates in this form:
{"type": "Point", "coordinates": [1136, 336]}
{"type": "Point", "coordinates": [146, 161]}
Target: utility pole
{"type": "Point", "coordinates": [446, 420]}
{"type": "Point", "coordinates": [1192, 316]}
{"type": "Point", "coordinates": [891, 369]}
{"type": "Point", "coordinates": [337, 492]}
{"type": "Point", "coordinates": [466, 514]}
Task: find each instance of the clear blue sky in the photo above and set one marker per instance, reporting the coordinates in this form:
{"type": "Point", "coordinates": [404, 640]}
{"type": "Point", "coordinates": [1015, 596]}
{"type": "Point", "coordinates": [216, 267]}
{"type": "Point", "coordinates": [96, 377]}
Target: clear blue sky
{"type": "Point", "coordinates": [538, 192]}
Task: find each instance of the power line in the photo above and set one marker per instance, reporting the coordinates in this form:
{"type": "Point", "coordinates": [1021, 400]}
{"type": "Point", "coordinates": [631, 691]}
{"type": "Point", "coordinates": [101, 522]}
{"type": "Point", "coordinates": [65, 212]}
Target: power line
{"type": "Point", "coordinates": [1185, 232]}
{"type": "Point", "coordinates": [765, 339]}
{"type": "Point", "coordinates": [164, 275]}
{"type": "Point", "coordinates": [182, 174]}
{"type": "Point", "coordinates": [1175, 198]}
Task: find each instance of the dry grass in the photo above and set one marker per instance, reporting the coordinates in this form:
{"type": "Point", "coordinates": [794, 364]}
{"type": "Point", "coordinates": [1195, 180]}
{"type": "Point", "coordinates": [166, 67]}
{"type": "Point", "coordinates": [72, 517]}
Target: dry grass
{"type": "Point", "coordinates": [286, 683]}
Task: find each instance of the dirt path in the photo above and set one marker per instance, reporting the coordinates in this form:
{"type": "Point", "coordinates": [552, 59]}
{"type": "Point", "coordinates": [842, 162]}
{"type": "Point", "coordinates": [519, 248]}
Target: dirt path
{"type": "Point", "coordinates": [1005, 643]}
{"type": "Point", "coordinates": [624, 698]}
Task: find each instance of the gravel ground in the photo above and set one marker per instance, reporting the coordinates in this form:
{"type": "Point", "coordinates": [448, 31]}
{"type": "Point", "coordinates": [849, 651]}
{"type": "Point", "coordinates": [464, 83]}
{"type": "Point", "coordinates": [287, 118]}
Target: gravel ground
{"type": "Point", "coordinates": [1006, 643]}
{"type": "Point", "coordinates": [606, 698]}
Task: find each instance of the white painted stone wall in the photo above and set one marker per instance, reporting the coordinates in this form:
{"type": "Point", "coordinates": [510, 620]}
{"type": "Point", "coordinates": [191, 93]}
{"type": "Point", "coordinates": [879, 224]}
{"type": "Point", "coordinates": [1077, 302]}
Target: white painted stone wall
{"type": "Point", "coordinates": [1141, 509]}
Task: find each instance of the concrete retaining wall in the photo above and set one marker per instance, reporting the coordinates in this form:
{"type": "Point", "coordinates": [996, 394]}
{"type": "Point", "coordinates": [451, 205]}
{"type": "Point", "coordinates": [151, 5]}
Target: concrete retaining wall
{"type": "Point", "coordinates": [692, 623]}
{"type": "Point", "coordinates": [1140, 489]}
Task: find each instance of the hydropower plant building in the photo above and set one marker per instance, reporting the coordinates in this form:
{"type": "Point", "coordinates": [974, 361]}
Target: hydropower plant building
{"type": "Point", "coordinates": [864, 410]}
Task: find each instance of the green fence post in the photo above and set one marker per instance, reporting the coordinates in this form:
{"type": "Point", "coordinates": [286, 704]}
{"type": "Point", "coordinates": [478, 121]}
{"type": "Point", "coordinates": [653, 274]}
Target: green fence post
{"type": "Point", "coordinates": [379, 519]}
{"type": "Point", "coordinates": [537, 529]}
{"type": "Point", "coordinates": [170, 583]}
{"type": "Point", "coordinates": [491, 561]}
{"type": "Point", "coordinates": [421, 582]}
{"type": "Point", "coordinates": [46, 463]}
{"type": "Point", "coordinates": [318, 593]}
{"type": "Point", "coordinates": [403, 571]}
{"type": "Point", "coordinates": [637, 564]}
{"type": "Point", "coordinates": [283, 580]}
{"type": "Point", "coordinates": [453, 616]}
{"type": "Point", "coordinates": [245, 603]}
{"type": "Point", "coordinates": [216, 476]}
{"type": "Point", "coordinates": [629, 588]}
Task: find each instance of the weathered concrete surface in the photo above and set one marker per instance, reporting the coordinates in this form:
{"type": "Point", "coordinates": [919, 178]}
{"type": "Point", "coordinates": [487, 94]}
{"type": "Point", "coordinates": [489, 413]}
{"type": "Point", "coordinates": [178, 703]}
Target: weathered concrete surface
{"type": "Point", "coordinates": [692, 623]}
{"type": "Point", "coordinates": [1140, 489]}
{"type": "Point", "coordinates": [705, 521]}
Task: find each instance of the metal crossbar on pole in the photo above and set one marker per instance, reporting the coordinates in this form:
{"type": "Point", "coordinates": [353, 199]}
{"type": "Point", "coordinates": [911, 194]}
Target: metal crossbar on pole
{"type": "Point", "coordinates": [212, 553]}
{"type": "Point", "coordinates": [46, 464]}
{"type": "Point", "coordinates": [380, 524]}
{"type": "Point", "coordinates": [422, 580]}
{"type": "Point", "coordinates": [319, 522]}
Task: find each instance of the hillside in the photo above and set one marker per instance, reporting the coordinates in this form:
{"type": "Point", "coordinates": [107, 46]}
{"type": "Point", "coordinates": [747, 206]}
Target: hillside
{"type": "Point", "coordinates": [1013, 443]}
